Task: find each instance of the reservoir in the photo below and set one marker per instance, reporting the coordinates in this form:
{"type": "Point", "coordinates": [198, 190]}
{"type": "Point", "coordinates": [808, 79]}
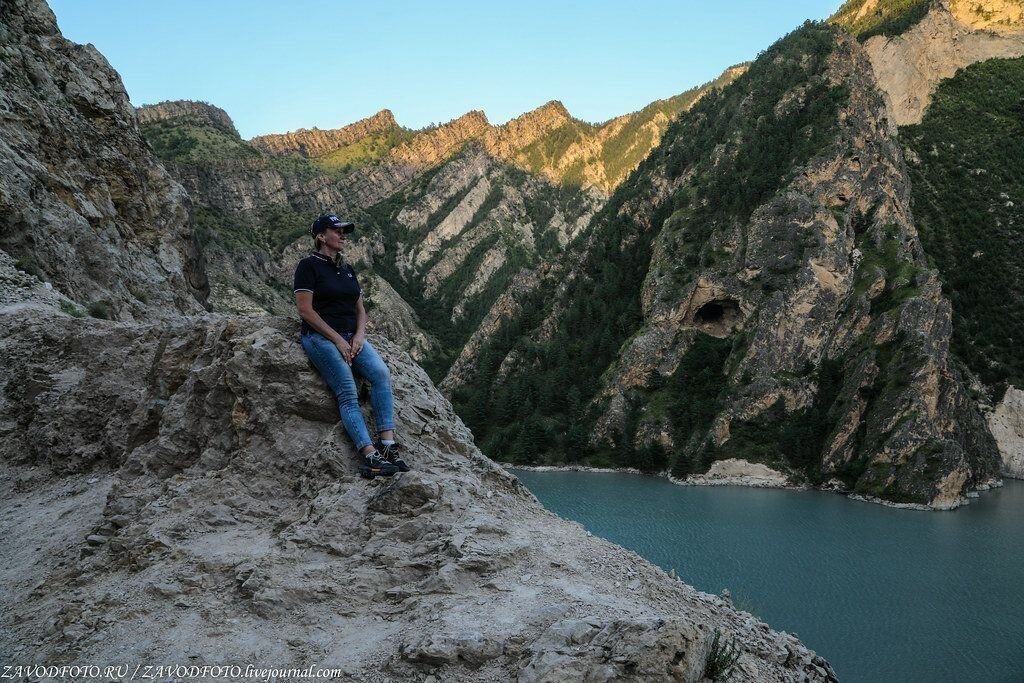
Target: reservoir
{"type": "Point", "coordinates": [882, 594]}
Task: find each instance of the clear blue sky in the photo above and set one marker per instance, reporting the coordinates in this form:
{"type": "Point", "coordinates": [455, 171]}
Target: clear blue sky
{"type": "Point", "coordinates": [278, 66]}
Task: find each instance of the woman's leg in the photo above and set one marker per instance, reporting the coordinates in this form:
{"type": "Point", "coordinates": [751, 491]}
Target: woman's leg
{"type": "Point", "coordinates": [338, 375]}
{"type": "Point", "coordinates": [368, 364]}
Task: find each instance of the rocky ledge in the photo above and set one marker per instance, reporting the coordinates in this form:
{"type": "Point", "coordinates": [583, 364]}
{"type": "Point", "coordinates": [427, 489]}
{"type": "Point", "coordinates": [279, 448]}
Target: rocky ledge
{"type": "Point", "coordinates": [187, 111]}
{"type": "Point", "coordinates": [737, 472]}
{"type": "Point", "coordinates": [195, 467]}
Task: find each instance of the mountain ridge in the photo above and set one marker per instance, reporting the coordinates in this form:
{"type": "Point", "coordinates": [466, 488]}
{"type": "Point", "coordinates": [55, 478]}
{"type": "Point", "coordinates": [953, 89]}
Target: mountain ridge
{"type": "Point", "coordinates": [316, 142]}
{"type": "Point", "coordinates": [252, 201]}
{"type": "Point", "coordinates": [572, 160]}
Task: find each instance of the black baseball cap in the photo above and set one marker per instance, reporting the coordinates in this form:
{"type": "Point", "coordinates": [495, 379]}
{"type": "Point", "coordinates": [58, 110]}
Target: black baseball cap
{"type": "Point", "coordinates": [329, 220]}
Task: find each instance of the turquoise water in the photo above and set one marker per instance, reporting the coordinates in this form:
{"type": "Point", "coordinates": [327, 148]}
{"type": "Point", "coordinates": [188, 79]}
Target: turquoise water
{"type": "Point", "coordinates": [883, 594]}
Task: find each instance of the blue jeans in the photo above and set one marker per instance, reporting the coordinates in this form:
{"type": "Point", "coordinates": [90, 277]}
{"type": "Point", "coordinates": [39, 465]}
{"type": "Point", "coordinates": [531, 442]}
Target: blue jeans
{"type": "Point", "coordinates": [339, 377]}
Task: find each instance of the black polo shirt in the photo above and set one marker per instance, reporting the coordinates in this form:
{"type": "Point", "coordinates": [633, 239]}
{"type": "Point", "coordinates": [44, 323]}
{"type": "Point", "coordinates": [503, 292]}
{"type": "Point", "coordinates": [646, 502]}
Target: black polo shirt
{"type": "Point", "coordinates": [335, 291]}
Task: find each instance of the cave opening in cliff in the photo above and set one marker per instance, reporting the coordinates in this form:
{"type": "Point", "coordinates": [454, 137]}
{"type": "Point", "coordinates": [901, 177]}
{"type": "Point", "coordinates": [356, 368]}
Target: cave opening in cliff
{"type": "Point", "coordinates": [710, 312]}
{"type": "Point", "coordinates": [718, 317]}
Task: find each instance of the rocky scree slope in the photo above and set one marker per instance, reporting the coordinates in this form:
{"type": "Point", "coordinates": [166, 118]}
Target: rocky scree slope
{"type": "Point", "coordinates": [196, 468]}
{"type": "Point", "coordinates": [757, 290]}
{"type": "Point", "coordinates": [83, 203]}
{"type": "Point", "coordinates": [912, 47]}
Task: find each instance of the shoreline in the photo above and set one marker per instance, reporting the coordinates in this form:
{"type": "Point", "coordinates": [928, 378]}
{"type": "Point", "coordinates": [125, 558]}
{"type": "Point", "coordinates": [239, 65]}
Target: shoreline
{"type": "Point", "coordinates": [759, 482]}
{"type": "Point", "coordinates": [699, 480]}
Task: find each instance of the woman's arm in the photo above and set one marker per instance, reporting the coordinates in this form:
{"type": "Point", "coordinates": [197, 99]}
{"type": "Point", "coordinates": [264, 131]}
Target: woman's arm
{"type": "Point", "coordinates": [304, 302]}
{"type": "Point", "coordinates": [360, 336]}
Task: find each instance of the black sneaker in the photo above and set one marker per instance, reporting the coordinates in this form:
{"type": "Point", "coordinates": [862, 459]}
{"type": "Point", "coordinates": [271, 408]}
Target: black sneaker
{"type": "Point", "coordinates": [393, 454]}
{"type": "Point", "coordinates": [376, 466]}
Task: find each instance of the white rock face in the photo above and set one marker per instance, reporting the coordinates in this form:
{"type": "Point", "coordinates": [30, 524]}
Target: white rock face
{"type": "Point", "coordinates": [737, 472]}
{"type": "Point", "coordinates": [909, 66]}
{"type": "Point", "coordinates": [1007, 425]}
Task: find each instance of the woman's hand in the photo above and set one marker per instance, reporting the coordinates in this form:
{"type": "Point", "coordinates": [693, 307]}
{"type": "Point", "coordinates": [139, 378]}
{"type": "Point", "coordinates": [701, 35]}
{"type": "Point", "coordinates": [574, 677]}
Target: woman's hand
{"type": "Point", "coordinates": [357, 343]}
{"type": "Point", "coordinates": [345, 350]}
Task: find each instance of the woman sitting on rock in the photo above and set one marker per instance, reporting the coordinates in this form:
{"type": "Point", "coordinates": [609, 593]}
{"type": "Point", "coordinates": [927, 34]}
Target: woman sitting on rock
{"type": "Point", "coordinates": [330, 304]}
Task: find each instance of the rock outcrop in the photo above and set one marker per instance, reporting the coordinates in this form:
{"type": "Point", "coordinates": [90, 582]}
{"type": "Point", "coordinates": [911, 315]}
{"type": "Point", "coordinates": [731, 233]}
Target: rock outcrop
{"type": "Point", "coordinates": [437, 144]}
{"type": "Point", "coordinates": [736, 472]}
{"type": "Point", "coordinates": [1007, 425]}
{"type": "Point", "coordinates": [372, 184]}
{"type": "Point", "coordinates": [504, 141]}
{"type": "Point", "coordinates": [197, 466]}
{"type": "Point", "coordinates": [84, 204]}
{"type": "Point", "coordinates": [991, 15]}
{"type": "Point", "coordinates": [476, 230]}
{"type": "Point", "coordinates": [316, 142]}
{"type": "Point", "coordinates": [951, 36]}
{"type": "Point", "coordinates": [187, 112]}
{"type": "Point", "coordinates": [550, 142]}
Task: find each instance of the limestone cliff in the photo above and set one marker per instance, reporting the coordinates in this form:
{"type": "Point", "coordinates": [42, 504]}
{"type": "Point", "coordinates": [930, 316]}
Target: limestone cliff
{"type": "Point", "coordinates": [550, 142]}
{"type": "Point", "coordinates": [453, 243]}
{"type": "Point", "coordinates": [1007, 424]}
{"type": "Point", "coordinates": [994, 15]}
{"type": "Point", "coordinates": [503, 142]}
{"type": "Point", "coordinates": [865, 300]}
{"type": "Point", "coordinates": [441, 214]}
{"type": "Point", "coordinates": [437, 144]}
{"type": "Point", "coordinates": [951, 35]}
{"type": "Point", "coordinates": [197, 466]}
{"type": "Point", "coordinates": [316, 142]}
{"type": "Point", "coordinates": [184, 111]}
{"type": "Point", "coordinates": [428, 149]}
{"type": "Point", "coordinates": [253, 209]}
{"type": "Point", "coordinates": [84, 204]}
